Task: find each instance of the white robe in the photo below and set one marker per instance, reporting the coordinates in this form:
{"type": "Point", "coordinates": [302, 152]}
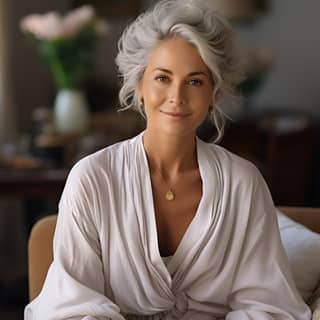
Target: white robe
{"type": "Point", "coordinates": [229, 264]}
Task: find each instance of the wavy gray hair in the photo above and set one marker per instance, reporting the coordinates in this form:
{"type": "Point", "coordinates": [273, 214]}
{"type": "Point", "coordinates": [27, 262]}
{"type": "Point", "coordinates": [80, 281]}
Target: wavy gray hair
{"type": "Point", "coordinates": [195, 22]}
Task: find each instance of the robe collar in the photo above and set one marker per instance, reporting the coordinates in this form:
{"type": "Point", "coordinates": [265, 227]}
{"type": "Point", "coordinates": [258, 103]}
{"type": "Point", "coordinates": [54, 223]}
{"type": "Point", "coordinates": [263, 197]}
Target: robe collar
{"type": "Point", "coordinates": [189, 246]}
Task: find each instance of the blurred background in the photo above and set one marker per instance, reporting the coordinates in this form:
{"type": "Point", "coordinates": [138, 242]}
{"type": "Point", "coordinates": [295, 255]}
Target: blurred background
{"type": "Point", "coordinates": [275, 124]}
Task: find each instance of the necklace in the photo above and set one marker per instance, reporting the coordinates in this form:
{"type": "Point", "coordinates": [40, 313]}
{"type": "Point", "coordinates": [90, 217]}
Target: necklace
{"type": "Point", "coordinates": [169, 195]}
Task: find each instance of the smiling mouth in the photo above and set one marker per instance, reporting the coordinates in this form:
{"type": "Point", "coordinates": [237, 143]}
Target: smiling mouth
{"type": "Point", "coordinates": [176, 114]}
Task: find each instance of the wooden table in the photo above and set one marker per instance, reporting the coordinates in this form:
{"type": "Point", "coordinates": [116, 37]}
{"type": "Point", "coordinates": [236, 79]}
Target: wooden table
{"type": "Point", "coordinates": [46, 183]}
{"type": "Point", "coordinates": [38, 189]}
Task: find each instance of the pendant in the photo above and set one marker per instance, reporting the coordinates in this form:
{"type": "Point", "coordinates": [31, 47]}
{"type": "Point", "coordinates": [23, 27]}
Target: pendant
{"type": "Point", "coordinates": [170, 195]}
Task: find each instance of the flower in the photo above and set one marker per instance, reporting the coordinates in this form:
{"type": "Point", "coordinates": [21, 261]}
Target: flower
{"type": "Point", "coordinates": [66, 43]}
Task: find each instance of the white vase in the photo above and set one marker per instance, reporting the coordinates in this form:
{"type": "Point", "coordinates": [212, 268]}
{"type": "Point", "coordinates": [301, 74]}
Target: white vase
{"type": "Point", "coordinates": [71, 115]}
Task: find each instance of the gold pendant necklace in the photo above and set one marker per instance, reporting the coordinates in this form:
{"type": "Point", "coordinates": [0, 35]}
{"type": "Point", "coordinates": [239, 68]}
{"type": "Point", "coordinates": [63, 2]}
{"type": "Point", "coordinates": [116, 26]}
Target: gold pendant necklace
{"type": "Point", "coordinates": [170, 195]}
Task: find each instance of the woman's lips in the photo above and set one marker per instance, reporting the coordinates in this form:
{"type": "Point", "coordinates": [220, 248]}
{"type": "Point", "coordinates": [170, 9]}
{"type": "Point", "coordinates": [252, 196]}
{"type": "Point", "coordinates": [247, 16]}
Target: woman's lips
{"type": "Point", "coordinates": [176, 115]}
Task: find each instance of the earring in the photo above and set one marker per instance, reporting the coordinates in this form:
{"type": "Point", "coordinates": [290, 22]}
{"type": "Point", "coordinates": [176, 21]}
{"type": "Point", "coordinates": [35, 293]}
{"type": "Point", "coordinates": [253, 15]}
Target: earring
{"type": "Point", "coordinates": [141, 103]}
{"type": "Point", "coordinates": [211, 110]}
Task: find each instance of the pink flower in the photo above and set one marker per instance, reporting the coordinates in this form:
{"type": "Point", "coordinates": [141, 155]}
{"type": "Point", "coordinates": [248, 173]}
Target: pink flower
{"type": "Point", "coordinates": [31, 23]}
{"type": "Point", "coordinates": [47, 26]}
{"type": "Point", "coordinates": [51, 25]}
{"type": "Point", "coordinates": [76, 19]}
{"type": "Point", "coordinates": [70, 58]}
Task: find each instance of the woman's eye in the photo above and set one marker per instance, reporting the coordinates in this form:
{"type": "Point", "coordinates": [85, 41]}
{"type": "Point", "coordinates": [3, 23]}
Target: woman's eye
{"type": "Point", "coordinates": [195, 82]}
{"type": "Point", "coordinates": [162, 78]}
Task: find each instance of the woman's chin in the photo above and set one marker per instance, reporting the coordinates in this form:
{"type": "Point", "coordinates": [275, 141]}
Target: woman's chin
{"type": "Point", "coordinates": [172, 131]}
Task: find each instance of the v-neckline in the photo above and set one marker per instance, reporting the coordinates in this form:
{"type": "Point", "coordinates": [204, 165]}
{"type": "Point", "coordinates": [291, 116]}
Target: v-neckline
{"type": "Point", "coordinates": [190, 236]}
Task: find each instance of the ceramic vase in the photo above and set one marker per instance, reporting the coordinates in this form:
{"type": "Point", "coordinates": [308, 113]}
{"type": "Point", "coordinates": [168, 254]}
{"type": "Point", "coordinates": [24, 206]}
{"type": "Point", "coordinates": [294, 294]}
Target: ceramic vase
{"type": "Point", "coordinates": [71, 112]}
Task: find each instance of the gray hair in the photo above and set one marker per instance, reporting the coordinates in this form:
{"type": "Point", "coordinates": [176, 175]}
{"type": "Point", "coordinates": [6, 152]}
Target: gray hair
{"type": "Point", "coordinates": [193, 21]}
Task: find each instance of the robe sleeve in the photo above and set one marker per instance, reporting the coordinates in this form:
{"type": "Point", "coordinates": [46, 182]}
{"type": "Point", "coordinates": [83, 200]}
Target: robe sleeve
{"type": "Point", "coordinates": [75, 285]}
{"type": "Point", "coordinates": [263, 287]}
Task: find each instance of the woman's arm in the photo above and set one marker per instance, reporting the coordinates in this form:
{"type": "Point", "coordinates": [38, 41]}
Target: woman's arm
{"type": "Point", "coordinates": [75, 284]}
{"type": "Point", "coordinates": [263, 288]}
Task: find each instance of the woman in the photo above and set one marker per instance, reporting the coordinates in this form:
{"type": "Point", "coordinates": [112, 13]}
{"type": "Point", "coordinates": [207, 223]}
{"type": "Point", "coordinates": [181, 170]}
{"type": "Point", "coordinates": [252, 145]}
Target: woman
{"type": "Point", "coordinates": [165, 226]}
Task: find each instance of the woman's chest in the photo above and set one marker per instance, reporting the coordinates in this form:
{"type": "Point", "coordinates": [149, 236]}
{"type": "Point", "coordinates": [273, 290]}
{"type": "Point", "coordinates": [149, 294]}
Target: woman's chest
{"type": "Point", "coordinates": [173, 218]}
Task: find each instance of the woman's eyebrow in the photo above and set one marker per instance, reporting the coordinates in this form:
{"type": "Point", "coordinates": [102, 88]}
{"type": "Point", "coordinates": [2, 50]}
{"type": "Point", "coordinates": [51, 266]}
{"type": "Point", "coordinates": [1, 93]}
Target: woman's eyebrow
{"type": "Point", "coordinates": [194, 73]}
{"type": "Point", "coordinates": [162, 69]}
{"type": "Point", "coordinates": [198, 73]}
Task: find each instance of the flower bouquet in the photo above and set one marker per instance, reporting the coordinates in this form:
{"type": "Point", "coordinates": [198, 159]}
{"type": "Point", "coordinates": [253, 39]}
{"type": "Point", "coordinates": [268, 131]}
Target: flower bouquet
{"type": "Point", "coordinates": [67, 45]}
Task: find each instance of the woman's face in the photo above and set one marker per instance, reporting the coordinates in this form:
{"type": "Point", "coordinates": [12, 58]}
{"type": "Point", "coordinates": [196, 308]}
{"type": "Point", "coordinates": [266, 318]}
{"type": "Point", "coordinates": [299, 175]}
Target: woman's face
{"type": "Point", "coordinates": [176, 88]}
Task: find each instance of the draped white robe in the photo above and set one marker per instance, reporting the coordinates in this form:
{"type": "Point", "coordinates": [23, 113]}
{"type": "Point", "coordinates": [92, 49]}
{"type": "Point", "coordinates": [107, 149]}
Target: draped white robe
{"type": "Point", "coordinates": [229, 264]}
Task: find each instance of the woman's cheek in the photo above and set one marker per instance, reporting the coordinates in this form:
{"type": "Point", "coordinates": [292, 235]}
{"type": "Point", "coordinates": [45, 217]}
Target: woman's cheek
{"type": "Point", "coordinates": [204, 97]}
{"type": "Point", "coordinates": [156, 94]}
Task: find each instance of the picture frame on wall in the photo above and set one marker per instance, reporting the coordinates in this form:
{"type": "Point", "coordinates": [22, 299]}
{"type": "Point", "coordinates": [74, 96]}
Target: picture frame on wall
{"type": "Point", "coordinates": [112, 8]}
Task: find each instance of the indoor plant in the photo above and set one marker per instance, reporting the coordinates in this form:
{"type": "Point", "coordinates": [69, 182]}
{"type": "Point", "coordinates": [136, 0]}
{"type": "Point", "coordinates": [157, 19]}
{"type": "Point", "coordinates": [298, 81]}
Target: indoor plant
{"type": "Point", "coordinates": [67, 45]}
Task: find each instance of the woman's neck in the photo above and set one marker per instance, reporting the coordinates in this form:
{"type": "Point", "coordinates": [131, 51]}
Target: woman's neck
{"type": "Point", "coordinates": [170, 155]}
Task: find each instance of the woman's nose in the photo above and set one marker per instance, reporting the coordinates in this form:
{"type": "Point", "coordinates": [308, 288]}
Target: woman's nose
{"type": "Point", "coordinates": [177, 94]}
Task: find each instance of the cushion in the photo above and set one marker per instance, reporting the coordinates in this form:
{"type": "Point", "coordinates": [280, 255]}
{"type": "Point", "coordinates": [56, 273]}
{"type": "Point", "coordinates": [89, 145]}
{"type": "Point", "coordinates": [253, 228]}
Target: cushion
{"type": "Point", "coordinates": [302, 247]}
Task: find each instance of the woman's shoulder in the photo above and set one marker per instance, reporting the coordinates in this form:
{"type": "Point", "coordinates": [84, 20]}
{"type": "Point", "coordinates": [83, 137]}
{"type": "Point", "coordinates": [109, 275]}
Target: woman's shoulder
{"type": "Point", "coordinates": [96, 173]}
{"type": "Point", "coordinates": [231, 164]}
{"type": "Point", "coordinates": [104, 158]}
{"type": "Point", "coordinates": [105, 162]}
